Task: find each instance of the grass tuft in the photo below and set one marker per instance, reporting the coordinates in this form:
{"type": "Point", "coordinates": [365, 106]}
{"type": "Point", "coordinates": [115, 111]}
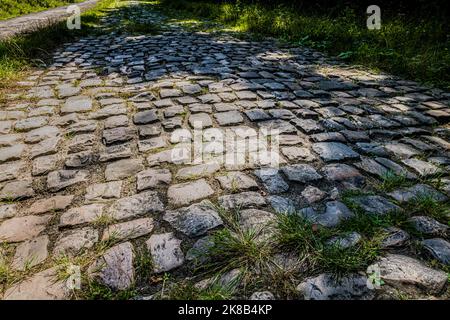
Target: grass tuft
{"type": "Point", "coordinates": [231, 250]}
{"type": "Point", "coordinates": [187, 290]}
{"type": "Point", "coordinates": [391, 181]}
{"type": "Point", "coordinates": [103, 220]}
{"type": "Point", "coordinates": [299, 234]}
{"type": "Point", "coordinates": [309, 241]}
{"type": "Point", "coordinates": [93, 290]}
{"type": "Point", "coordinates": [234, 247]}
{"type": "Point", "coordinates": [426, 204]}
{"type": "Point", "coordinates": [13, 8]}
{"type": "Point", "coordinates": [340, 261]}
{"type": "Point", "coordinates": [143, 265]}
{"type": "Point", "coordinates": [371, 224]}
{"type": "Point", "coordinates": [8, 275]}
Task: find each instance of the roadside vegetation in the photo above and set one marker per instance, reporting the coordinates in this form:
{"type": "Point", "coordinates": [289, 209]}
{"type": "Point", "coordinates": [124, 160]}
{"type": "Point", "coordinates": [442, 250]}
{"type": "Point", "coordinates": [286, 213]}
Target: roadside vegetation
{"type": "Point", "coordinates": [413, 42]}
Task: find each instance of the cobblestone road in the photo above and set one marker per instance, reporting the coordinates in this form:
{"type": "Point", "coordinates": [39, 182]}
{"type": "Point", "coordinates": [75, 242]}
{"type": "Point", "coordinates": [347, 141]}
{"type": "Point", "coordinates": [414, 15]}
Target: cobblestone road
{"type": "Point", "coordinates": [86, 158]}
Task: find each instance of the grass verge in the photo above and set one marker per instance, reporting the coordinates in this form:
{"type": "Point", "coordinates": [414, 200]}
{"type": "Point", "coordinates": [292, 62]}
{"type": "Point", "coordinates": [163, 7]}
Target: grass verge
{"type": "Point", "coordinates": [406, 45]}
{"type": "Point", "coordinates": [236, 247]}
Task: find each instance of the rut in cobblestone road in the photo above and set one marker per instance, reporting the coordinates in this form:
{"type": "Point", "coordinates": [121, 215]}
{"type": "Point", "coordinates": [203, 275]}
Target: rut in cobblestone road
{"type": "Point", "coordinates": [88, 175]}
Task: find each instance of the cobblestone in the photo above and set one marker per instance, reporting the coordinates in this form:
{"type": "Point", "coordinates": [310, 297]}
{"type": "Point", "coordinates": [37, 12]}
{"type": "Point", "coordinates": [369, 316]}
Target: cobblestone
{"type": "Point", "coordinates": [103, 145]}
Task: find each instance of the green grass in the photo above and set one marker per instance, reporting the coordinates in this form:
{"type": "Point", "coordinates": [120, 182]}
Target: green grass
{"type": "Point", "coordinates": [143, 265]}
{"type": "Point", "coordinates": [348, 194]}
{"type": "Point", "coordinates": [426, 204]}
{"type": "Point", "coordinates": [391, 181]}
{"type": "Point", "coordinates": [233, 250]}
{"type": "Point", "coordinates": [340, 261]}
{"type": "Point", "coordinates": [104, 219]}
{"type": "Point", "coordinates": [8, 275]}
{"type": "Point", "coordinates": [371, 225]}
{"type": "Point", "coordinates": [250, 251]}
{"type": "Point", "coordinates": [308, 240]}
{"type": "Point", "coordinates": [408, 46]}
{"type": "Point", "coordinates": [281, 280]}
{"type": "Point", "coordinates": [234, 247]}
{"type": "Point", "coordinates": [435, 180]}
{"type": "Point", "coordinates": [301, 235]}
{"type": "Point", "coordinates": [5, 270]}
{"type": "Point", "coordinates": [186, 290]}
{"type": "Point", "coordinates": [93, 290]}
{"type": "Point", "coordinates": [13, 8]}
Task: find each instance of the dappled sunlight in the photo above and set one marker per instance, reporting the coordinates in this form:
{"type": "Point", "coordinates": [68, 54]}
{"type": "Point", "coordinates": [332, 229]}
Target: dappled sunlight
{"type": "Point", "coordinates": [163, 153]}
